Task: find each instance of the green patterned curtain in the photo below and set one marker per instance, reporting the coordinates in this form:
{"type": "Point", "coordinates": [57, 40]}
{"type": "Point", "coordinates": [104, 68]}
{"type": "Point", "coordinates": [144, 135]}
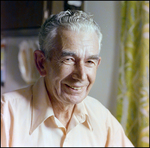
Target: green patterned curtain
{"type": "Point", "coordinates": [133, 86]}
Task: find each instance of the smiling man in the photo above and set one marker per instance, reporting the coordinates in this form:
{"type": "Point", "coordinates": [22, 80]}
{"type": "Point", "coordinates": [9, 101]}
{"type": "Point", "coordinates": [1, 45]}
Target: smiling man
{"type": "Point", "coordinates": [56, 110]}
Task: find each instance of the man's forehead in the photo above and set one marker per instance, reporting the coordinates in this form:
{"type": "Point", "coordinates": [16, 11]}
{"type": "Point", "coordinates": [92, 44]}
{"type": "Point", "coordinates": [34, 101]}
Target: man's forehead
{"type": "Point", "coordinates": [74, 54]}
{"type": "Point", "coordinates": [70, 42]}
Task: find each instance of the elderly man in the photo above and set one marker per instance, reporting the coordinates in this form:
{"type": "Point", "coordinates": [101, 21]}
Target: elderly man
{"type": "Point", "coordinates": [56, 110]}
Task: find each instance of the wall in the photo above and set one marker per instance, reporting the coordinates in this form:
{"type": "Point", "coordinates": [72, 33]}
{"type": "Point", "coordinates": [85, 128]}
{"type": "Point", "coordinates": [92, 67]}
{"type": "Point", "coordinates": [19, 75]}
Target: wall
{"type": "Point", "coordinates": [107, 15]}
{"type": "Point", "coordinates": [14, 79]}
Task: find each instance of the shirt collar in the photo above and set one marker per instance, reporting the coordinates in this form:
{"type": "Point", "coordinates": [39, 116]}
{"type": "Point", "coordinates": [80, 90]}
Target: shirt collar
{"type": "Point", "coordinates": [42, 107]}
{"type": "Point", "coordinates": [81, 114]}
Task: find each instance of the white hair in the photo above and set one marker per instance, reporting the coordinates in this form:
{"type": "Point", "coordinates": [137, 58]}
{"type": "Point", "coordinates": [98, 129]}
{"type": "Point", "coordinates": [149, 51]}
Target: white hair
{"type": "Point", "coordinates": [74, 20]}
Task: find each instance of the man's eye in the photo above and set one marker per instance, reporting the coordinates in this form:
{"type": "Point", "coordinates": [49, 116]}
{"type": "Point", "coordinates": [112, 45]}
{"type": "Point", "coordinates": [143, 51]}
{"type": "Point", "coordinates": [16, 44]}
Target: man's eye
{"type": "Point", "coordinates": [90, 63]}
{"type": "Point", "coordinates": [68, 60]}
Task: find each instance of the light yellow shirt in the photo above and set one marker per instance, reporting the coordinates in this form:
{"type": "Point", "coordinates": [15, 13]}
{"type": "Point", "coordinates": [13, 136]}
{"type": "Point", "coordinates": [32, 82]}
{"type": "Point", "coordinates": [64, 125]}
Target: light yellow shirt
{"type": "Point", "coordinates": [27, 119]}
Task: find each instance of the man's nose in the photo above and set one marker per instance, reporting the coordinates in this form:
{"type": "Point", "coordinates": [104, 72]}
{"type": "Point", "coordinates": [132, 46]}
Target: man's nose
{"type": "Point", "coordinates": [79, 72]}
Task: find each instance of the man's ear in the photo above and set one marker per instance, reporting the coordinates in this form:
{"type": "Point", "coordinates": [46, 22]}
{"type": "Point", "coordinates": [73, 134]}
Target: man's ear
{"type": "Point", "coordinates": [99, 61]}
{"type": "Point", "coordinates": [40, 59]}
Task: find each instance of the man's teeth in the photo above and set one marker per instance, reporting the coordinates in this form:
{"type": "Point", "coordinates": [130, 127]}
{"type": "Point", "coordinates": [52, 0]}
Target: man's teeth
{"type": "Point", "coordinates": [77, 88]}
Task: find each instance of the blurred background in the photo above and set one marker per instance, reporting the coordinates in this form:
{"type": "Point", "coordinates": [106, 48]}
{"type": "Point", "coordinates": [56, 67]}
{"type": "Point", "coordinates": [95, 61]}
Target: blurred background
{"type": "Point", "coordinates": [122, 82]}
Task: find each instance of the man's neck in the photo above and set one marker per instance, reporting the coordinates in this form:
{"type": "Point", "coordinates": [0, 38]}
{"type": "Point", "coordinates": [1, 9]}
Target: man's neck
{"type": "Point", "coordinates": [63, 113]}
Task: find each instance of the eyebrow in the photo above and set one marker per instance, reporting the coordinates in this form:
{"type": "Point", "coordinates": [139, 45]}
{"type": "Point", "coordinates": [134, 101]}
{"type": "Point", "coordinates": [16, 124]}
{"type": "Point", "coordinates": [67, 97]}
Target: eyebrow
{"type": "Point", "coordinates": [94, 57]}
{"type": "Point", "coordinates": [68, 53]}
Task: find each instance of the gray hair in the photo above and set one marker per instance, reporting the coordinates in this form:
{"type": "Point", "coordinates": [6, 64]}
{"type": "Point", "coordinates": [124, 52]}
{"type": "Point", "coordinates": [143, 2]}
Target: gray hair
{"type": "Point", "coordinates": [74, 20]}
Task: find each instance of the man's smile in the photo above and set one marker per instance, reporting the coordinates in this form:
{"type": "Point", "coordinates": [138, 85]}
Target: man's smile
{"type": "Point", "coordinates": [74, 87]}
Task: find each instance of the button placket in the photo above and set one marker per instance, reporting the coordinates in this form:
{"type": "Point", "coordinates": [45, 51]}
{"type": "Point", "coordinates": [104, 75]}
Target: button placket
{"type": "Point", "coordinates": [66, 141]}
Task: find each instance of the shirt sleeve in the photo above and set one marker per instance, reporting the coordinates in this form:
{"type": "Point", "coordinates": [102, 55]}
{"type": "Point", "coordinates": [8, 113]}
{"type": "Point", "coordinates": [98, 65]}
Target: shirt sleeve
{"type": "Point", "coordinates": [116, 135]}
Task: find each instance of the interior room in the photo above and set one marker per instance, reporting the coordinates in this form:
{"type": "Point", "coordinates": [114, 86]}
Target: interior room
{"type": "Point", "coordinates": [20, 25]}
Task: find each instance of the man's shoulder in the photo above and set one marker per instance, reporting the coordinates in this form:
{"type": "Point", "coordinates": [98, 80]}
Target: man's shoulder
{"type": "Point", "coordinates": [95, 104]}
{"type": "Point", "coordinates": [19, 94]}
{"type": "Point", "coordinates": [93, 101]}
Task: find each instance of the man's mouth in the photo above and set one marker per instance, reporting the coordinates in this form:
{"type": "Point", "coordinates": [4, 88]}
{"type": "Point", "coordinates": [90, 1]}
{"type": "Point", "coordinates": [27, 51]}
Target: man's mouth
{"type": "Point", "coordinates": [74, 87]}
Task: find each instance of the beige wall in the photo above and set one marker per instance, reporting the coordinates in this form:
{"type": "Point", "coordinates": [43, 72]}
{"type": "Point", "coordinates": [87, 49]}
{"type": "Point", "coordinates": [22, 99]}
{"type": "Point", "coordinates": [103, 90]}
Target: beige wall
{"type": "Point", "coordinates": [107, 15]}
{"type": "Point", "coordinates": [13, 76]}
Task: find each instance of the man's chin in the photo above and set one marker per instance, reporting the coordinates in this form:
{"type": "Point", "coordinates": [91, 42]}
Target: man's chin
{"type": "Point", "coordinates": [75, 99]}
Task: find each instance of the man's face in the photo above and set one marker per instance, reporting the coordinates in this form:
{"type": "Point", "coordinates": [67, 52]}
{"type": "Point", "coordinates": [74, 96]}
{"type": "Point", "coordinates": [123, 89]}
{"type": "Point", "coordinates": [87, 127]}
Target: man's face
{"type": "Point", "coordinates": [71, 71]}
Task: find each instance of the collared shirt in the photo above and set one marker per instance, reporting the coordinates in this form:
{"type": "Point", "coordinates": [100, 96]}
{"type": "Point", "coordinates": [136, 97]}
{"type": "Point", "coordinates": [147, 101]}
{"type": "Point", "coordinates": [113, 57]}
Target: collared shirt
{"type": "Point", "coordinates": [27, 119]}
